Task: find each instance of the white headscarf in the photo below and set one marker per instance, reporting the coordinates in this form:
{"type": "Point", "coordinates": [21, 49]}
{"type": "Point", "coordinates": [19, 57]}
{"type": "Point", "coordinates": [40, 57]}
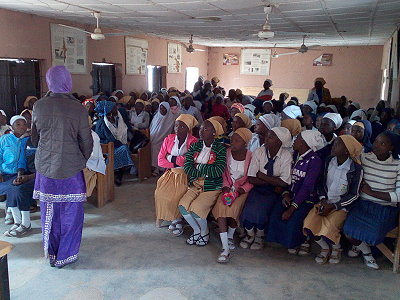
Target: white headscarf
{"type": "Point", "coordinates": [355, 104]}
{"type": "Point", "coordinates": [336, 118]}
{"type": "Point", "coordinates": [3, 113]}
{"type": "Point", "coordinates": [270, 120]}
{"type": "Point", "coordinates": [292, 111]}
{"type": "Point", "coordinates": [249, 111]}
{"type": "Point", "coordinates": [16, 118]}
{"type": "Point", "coordinates": [284, 135]}
{"type": "Point", "coordinates": [359, 113]}
{"type": "Point", "coordinates": [333, 107]}
{"type": "Point", "coordinates": [161, 125]}
{"type": "Point", "coordinates": [351, 122]}
{"type": "Point", "coordinates": [121, 131]}
{"type": "Point", "coordinates": [313, 106]}
{"type": "Point", "coordinates": [314, 139]}
{"type": "Point", "coordinates": [116, 91]}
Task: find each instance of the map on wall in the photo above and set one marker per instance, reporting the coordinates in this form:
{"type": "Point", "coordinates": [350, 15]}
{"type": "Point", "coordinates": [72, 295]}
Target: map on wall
{"type": "Point", "coordinates": [136, 56]}
{"type": "Point", "coordinates": [174, 58]}
{"type": "Point", "coordinates": [255, 61]}
{"type": "Point", "coordinates": [68, 48]}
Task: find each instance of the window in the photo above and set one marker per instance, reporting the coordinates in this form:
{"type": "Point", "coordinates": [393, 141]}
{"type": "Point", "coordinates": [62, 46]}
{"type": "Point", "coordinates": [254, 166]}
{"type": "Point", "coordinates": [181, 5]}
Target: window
{"type": "Point", "coordinates": [192, 75]}
{"type": "Point", "coordinates": [19, 78]}
{"type": "Point", "coordinates": [150, 76]}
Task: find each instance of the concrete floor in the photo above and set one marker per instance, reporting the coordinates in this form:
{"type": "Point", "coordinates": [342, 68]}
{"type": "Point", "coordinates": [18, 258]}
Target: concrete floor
{"type": "Point", "coordinates": [123, 256]}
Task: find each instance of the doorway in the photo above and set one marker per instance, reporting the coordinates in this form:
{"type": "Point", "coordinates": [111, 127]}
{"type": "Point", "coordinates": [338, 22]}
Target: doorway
{"type": "Point", "coordinates": [156, 78]}
{"type": "Point", "coordinates": [19, 78]}
{"type": "Point", "coordinates": [103, 78]}
{"type": "Point", "coordinates": [192, 76]}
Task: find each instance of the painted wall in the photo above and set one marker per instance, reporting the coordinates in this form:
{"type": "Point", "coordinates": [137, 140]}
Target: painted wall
{"type": "Point", "coordinates": [28, 36]}
{"type": "Point", "coordinates": [355, 72]}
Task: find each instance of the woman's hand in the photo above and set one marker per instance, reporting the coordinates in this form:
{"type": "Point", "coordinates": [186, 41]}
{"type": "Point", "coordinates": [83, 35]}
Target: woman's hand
{"type": "Point", "coordinates": [288, 213]}
{"type": "Point", "coordinates": [241, 191]}
{"type": "Point", "coordinates": [325, 208]}
{"type": "Point", "coordinates": [286, 200]}
{"type": "Point", "coordinates": [226, 189]}
{"type": "Point", "coordinates": [366, 188]}
{"type": "Point", "coordinates": [21, 179]}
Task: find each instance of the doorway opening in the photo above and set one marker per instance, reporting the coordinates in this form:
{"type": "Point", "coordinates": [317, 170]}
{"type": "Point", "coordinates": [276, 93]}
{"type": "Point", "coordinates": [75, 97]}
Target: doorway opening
{"type": "Point", "coordinates": [192, 75]}
{"type": "Point", "coordinates": [156, 78]}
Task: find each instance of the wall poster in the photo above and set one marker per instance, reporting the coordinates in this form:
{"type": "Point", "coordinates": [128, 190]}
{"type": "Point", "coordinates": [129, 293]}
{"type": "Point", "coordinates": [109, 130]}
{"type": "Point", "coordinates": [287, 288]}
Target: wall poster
{"type": "Point", "coordinates": [255, 61]}
{"type": "Point", "coordinates": [324, 60]}
{"type": "Point", "coordinates": [68, 48]}
{"type": "Point", "coordinates": [230, 60]}
{"type": "Point", "coordinates": [174, 58]}
{"type": "Point", "coordinates": [136, 56]}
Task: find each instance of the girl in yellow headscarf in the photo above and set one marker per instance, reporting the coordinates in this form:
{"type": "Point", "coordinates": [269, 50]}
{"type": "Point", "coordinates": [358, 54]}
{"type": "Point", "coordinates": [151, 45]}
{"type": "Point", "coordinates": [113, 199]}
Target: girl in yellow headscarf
{"type": "Point", "coordinates": [172, 185]}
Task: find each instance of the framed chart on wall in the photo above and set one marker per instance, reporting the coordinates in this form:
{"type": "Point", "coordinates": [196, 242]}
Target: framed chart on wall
{"type": "Point", "coordinates": [136, 56]}
{"type": "Point", "coordinates": [174, 58]}
{"type": "Point", "coordinates": [68, 48]}
{"type": "Point", "coordinates": [255, 61]}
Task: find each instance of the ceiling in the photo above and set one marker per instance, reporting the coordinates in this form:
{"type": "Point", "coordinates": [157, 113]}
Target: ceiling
{"type": "Point", "coordinates": [344, 22]}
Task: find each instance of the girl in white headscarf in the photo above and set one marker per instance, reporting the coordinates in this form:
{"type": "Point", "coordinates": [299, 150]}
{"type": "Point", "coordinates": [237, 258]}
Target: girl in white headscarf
{"type": "Point", "coordinates": [263, 125]}
{"type": "Point", "coordinates": [162, 125]}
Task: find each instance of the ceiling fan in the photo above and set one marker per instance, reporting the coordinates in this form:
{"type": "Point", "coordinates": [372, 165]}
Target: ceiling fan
{"type": "Point", "coordinates": [190, 47]}
{"type": "Point", "coordinates": [266, 33]}
{"type": "Point", "coordinates": [97, 34]}
{"type": "Point", "coordinates": [303, 49]}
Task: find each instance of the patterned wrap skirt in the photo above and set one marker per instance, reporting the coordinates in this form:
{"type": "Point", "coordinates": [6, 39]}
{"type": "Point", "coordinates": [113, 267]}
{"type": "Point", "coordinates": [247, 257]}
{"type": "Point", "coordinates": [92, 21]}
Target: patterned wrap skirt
{"type": "Point", "coordinates": [122, 157]}
{"type": "Point", "coordinates": [171, 187]}
{"type": "Point", "coordinates": [370, 222]}
{"type": "Point", "coordinates": [62, 215]}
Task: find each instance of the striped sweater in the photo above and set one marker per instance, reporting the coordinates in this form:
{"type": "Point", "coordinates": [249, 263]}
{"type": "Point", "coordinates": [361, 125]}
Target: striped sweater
{"type": "Point", "coordinates": [382, 176]}
{"type": "Point", "coordinates": [212, 171]}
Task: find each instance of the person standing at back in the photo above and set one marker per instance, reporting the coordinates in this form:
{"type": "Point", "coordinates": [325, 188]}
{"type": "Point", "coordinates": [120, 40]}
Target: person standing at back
{"type": "Point", "coordinates": [61, 132]}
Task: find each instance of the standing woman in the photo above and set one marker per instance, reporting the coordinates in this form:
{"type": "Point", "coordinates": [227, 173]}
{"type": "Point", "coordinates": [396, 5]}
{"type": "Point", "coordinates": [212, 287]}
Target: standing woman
{"type": "Point", "coordinates": [161, 126]}
{"type": "Point", "coordinates": [234, 192]}
{"type": "Point", "coordinates": [61, 132]}
{"type": "Point", "coordinates": [205, 163]}
{"type": "Point", "coordinates": [376, 212]}
{"type": "Point", "coordinates": [270, 173]}
{"type": "Point", "coordinates": [172, 185]}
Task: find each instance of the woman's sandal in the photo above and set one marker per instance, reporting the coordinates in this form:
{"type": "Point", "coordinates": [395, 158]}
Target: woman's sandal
{"type": "Point", "coordinates": [224, 258]}
{"type": "Point", "coordinates": [231, 244]}
{"type": "Point", "coordinates": [246, 242]}
{"type": "Point", "coordinates": [201, 241]}
{"type": "Point", "coordinates": [304, 249]}
{"type": "Point", "coordinates": [9, 220]}
{"type": "Point", "coordinates": [336, 256]}
{"type": "Point", "coordinates": [323, 257]}
{"type": "Point", "coordinates": [16, 233]}
{"type": "Point", "coordinates": [370, 261]}
{"type": "Point", "coordinates": [193, 239]}
{"type": "Point", "coordinates": [178, 231]}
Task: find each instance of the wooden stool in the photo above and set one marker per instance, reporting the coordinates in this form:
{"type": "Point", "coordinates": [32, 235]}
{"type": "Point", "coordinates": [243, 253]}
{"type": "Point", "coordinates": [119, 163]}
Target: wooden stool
{"type": "Point", "coordinates": [393, 256]}
{"type": "Point", "coordinates": [5, 248]}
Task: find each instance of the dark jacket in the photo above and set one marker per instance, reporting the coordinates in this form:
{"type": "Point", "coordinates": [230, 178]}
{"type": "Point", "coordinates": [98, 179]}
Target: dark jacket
{"type": "Point", "coordinates": [61, 133]}
{"type": "Point", "coordinates": [354, 178]}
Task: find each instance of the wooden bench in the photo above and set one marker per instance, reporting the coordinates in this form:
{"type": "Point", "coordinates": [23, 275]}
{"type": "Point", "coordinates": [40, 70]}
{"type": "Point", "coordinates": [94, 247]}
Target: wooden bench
{"type": "Point", "coordinates": [393, 256]}
{"type": "Point", "coordinates": [5, 248]}
{"type": "Point", "coordinates": [104, 190]}
{"type": "Point", "coordinates": [142, 159]}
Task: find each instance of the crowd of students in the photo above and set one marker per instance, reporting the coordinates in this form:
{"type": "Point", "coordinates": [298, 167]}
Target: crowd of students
{"type": "Point", "coordinates": [282, 171]}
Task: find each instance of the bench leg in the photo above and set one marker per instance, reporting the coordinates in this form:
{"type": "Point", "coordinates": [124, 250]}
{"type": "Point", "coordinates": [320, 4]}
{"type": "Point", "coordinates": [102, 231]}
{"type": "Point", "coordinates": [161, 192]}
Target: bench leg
{"type": "Point", "coordinates": [396, 258]}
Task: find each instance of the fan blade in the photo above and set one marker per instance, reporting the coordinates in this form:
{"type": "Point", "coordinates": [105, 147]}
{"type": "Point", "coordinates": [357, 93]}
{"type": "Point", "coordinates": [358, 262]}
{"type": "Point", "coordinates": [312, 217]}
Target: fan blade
{"type": "Point", "coordinates": [200, 50]}
{"type": "Point", "coordinates": [184, 45]}
{"type": "Point", "coordinates": [75, 28]}
{"type": "Point", "coordinates": [313, 46]}
{"type": "Point", "coordinates": [298, 33]}
{"type": "Point", "coordinates": [289, 53]}
{"type": "Point", "coordinates": [289, 48]}
{"type": "Point", "coordinates": [118, 33]}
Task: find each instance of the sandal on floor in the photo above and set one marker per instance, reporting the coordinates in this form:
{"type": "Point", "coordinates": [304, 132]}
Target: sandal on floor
{"type": "Point", "coordinates": [15, 226]}
{"type": "Point", "coordinates": [370, 261]}
{"type": "Point", "coordinates": [203, 240]}
{"type": "Point", "coordinates": [304, 249]}
{"type": "Point", "coordinates": [323, 257]}
{"type": "Point", "coordinates": [224, 258]}
{"type": "Point", "coordinates": [178, 231]}
{"type": "Point", "coordinates": [336, 256]}
{"type": "Point", "coordinates": [247, 241]}
{"type": "Point", "coordinates": [231, 244]}
{"type": "Point", "coordinates": [20, 233]}
{"type": "Point", "coordinates": [9, 220]}
{"type": "Point", "coordinates": [258, 243]}
{"type": "Point", "coordinates": [193, 239]}
{"type": "Point", "coordinates": [293, 251]}
{"type": "Point", "coordinates": [353, 252]}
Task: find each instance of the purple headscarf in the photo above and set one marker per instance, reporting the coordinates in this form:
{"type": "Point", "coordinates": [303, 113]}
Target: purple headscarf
{"type": "Point", "coordinates": [59, 79]}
